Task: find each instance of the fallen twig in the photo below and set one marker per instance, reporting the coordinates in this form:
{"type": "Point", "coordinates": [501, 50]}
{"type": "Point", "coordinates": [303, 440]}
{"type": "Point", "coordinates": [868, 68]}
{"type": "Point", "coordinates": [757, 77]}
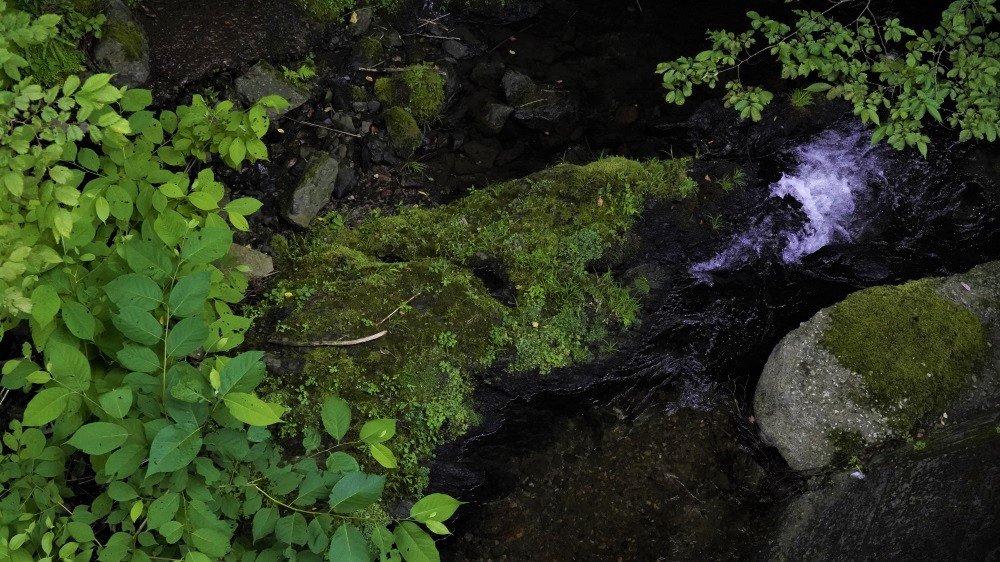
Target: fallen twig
{"type": "Point", "coordinates": [355, 135]}
{"type": "Point", "coordinates": [327, 343]}
{"type": "Point", "coordinates": [398, 308]}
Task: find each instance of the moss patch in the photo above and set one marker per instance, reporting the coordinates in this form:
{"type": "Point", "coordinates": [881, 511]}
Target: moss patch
{"type": "Point", "coordinates": [127, 34]}
{"type": "Point", "coordinates": [404, 133]}
{"type": "Point", "coordinates": [51, 62]}
{"type": "Point", "coordinates": [419, 88]}
{"type": "Point", "coordinates": [412, 274]}
{"type": "Point", "coordinates": [369, 50]}
{"type": "Point", "coordinates": [914, 349]}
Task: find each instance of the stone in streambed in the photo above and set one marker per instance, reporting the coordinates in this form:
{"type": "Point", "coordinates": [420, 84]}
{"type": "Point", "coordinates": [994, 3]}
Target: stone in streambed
{"type": "Point", "coordinates": [314, 189]}
{"type": "Point", "coordinates": [264, 80]}
{"type": "Point", "coordinates": [490, 117]}
{"type": "Point", "coordinates": [536, 107]}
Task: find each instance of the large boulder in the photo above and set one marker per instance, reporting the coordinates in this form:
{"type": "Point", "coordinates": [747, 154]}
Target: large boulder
{"type": "Point", "coordinates": [124, 48]}
{"type": "Point", "coordinates": [262, 80]}
{"type": "Point", "coordinates": [314, 189]}
{"type": "Point", "coordinates": [881, 363]}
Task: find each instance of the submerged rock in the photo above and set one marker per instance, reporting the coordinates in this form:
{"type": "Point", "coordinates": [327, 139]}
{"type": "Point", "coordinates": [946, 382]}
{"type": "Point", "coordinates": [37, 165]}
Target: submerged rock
{"type": "Point", "coordinates": [869, 368]}
{"type": "Point", "coordinates": [124, 48]}
{"type": "Point", "coordinates": [314, 189]}
{"type": "Point", "coordinates": [940, 503]}
{"type": "Point", "coordinates": [490, 117]}
{"type": "Point", "coordinates": [537, 107]}
{"type": "Point", "coordinates": [264, 80]}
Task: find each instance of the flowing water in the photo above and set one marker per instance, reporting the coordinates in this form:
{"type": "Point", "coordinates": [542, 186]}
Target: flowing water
{"type": "Point", "coordinates": [651, 453]}
{"type": "Point", "coordinates": [831, 174]}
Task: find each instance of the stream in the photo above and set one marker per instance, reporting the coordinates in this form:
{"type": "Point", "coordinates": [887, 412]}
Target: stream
{"type": "Point", "coordinates": [652, 453]}
{"type": "Point", "coordinates": [649, 451]}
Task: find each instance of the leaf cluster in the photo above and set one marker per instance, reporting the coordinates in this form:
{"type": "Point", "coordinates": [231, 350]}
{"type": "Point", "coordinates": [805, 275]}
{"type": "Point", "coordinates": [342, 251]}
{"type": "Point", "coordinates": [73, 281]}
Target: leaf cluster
{"type": "Point", "coordinates": [896, 78]}
{"type": "Point", "coordinates": [142, 438]}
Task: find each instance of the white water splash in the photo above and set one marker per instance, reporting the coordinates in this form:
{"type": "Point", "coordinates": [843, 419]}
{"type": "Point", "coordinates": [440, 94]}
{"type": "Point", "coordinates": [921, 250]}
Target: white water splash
{"type": "Point", "coordinates": [831, 172]}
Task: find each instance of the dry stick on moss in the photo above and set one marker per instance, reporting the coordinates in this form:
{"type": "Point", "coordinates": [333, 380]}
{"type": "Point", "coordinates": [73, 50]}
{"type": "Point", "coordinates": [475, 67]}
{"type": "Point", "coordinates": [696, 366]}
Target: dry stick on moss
{"type": "Point", "coordinates": [327, 343]}
{"type": "Point", "coordinates": [390, 69]}
{"type": "Point", "coordinates": [398, 308]}
{"type": "Point", "coordinates": [355, 135]}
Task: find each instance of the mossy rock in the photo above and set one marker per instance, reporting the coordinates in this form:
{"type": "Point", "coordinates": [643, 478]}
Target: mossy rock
{"type": "Point", "coordinates": [124, 48]}
{"type": "Point", "coordinates": [915, 349]}
{"type": "Point", "coordinates": [419, 88]}
{"type": "Point", "coordinates": [128, 35]}
{"type": "Point", "coordinates": [404, 133]}
{"type": "Point", "coordinates": [369, 50]}
{"type": "Point", "coordinates": [413, 275]}
{"type": "Point", "coordinates": [881, 363]}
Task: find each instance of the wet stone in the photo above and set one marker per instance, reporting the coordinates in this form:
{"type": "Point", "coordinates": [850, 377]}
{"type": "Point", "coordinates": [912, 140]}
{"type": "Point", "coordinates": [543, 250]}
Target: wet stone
{"type": "Point", "coordinates": [491, 117]}
{"type": "Point", "coordinates": [264, 80]}
{"type": "Point", "coordinates": [314, 190]}
{"type": "Point", "coordinates": [455, 49]}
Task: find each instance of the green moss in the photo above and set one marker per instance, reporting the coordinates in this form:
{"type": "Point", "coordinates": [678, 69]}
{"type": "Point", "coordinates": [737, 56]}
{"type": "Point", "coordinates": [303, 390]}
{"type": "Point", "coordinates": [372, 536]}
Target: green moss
{"type": "Point", "coordinates": [404, 133]}
{"type": "Point", "coordinates": [419, 88]}
{"type": "Point", "coordinates": [88, 7]}
{"type": "Point", "coordinates": [326, 10]}
{"type": "Point", "coordinates": [358, 93]}
{"type": "Point", "coordinates": [411, 274]}
{"type": "Point", "coordinates": [914, 349]}
{"type": "Point", "coordinates": [54, 60]}
{"type": "Point", "coordinates": [847, 445]}
{"type": "Point", "coordinates": [369, 49]}
{"type": "Point", "coordinates": [127, 34]}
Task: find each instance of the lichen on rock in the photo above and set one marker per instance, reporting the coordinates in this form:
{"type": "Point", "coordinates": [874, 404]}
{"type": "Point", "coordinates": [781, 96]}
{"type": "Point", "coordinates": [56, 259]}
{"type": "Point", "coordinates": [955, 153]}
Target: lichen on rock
{"type": "Point", "coordinates": [416, 275]}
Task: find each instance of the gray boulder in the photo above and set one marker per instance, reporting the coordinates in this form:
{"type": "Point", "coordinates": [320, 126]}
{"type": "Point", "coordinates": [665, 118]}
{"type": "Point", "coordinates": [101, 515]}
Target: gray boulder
{"type": "Point", "coordinates": [808, 404]}
{"type": "Point", "coordinates": [805, 396]}
{"type": "Point", "coordinates": [264, 80]}
{"type": "Point", "coordinates": [314, 190]}
{"type": "Point", "coordinates": [124, 48]}
{"type": "Point", "coordinates": [259, 263]}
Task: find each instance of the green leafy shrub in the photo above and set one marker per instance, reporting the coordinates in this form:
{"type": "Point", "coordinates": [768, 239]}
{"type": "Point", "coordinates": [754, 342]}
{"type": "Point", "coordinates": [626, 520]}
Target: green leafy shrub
{"type": "Point", "coordinates": [142, 439]}
{"type": "Point", "coordinates": [419, 88]}
{"type": "Point", "coordinates": [894, 77]}
{"type": "Point", "coordinates": [914, 349]}
{"type": "Point", "coordinates": [302, 75]}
